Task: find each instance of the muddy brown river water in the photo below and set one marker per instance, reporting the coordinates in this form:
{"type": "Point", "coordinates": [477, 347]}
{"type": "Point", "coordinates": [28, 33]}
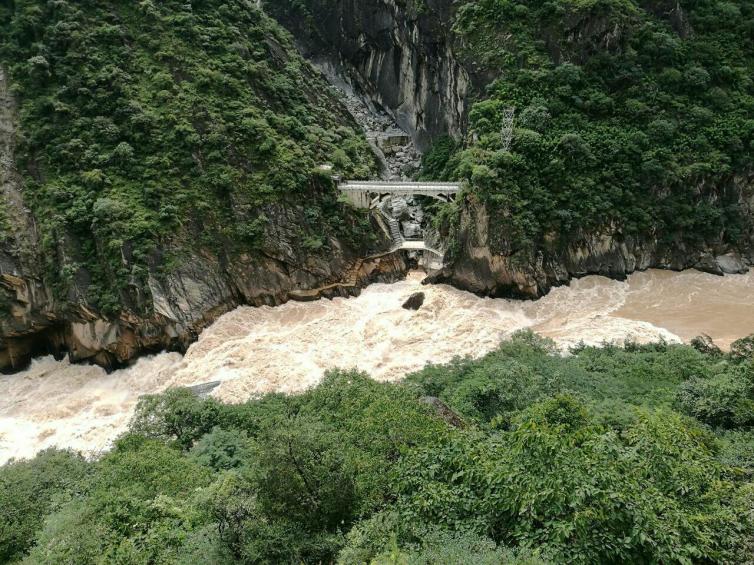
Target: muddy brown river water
{"type": "Point", "coordinates": [288, 348]}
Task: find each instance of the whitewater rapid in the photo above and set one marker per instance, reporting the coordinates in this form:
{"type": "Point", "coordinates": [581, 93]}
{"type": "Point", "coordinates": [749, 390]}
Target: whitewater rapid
{"type": "Point", "coordinates": [287, 348]}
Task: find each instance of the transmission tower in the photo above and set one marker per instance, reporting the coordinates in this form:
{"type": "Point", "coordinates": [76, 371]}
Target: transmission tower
{"type": "Point", "coordinates": [506, 133]}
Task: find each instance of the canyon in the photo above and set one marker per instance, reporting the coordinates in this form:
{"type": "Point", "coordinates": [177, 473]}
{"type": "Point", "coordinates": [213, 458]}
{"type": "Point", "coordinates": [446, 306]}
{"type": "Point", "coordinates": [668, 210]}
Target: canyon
{"type": "Point", "coordinates": [405, 72]}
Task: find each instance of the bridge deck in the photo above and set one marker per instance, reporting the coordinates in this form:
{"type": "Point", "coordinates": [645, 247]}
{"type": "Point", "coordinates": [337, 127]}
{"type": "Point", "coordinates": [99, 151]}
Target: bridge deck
{"type": "Point", "coordinates": [401, 187]}
{"type": "Point", "coordinates": [417, 244]}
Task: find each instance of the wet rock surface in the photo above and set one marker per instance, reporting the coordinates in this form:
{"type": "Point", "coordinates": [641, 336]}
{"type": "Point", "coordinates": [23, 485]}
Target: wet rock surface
{"type": "Point", "coordinates": [415, 301]}
{"type": "Point", "coordinates": [480, 267]}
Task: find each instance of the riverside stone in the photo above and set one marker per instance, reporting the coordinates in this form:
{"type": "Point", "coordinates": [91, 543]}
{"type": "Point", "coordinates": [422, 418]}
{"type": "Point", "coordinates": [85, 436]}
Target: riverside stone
{"type": "Point", "coordinates": [414, 302]}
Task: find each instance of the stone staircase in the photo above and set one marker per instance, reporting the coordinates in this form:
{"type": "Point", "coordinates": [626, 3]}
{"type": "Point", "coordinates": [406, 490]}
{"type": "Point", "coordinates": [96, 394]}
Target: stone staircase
{"type": "Point", "coordinates": [395, 231]}
{"type": "Point", "coordinates": [394, 227]}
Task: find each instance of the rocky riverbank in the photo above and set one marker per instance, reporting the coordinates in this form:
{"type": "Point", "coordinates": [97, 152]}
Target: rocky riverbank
{"type": "Point", "coordinates": [184, 303]}
{"type": "Point", "coordinates": [478, 268]}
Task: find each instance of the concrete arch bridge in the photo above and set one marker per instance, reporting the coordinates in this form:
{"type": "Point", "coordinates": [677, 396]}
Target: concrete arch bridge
{"type": "Point", "coordinates": [370, 194]}
{"type": "Point", "coordinates": [376, 195]}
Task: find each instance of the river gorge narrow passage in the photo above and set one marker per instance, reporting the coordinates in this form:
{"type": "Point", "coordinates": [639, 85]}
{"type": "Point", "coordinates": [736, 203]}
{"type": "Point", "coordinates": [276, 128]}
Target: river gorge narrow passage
{"type": "Point", "coordinates": [288, 348]}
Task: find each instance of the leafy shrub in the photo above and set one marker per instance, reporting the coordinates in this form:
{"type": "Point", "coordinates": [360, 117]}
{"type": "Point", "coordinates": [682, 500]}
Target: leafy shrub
{"type": "Point", "coordinates": [29, 491]}
{"type": "Point", "coordinates": [725, 400]}
{"type": "Point", "coordinates": [223, 449]}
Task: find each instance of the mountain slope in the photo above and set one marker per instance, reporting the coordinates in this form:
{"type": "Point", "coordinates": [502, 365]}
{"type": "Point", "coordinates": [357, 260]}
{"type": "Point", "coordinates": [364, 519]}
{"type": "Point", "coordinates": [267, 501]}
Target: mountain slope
{"type": "Point", "coordinates": [168, 158]}
{"type": "Point", "coordinates": [634, 132]}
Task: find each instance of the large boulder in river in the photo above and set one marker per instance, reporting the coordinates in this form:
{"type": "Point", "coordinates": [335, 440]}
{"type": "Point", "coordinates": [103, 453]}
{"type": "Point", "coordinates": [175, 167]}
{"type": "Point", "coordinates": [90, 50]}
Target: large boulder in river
{"type": "Point", "coordinates": [731, 264]}
{"type": "Point", "coordinates": [414, 301]}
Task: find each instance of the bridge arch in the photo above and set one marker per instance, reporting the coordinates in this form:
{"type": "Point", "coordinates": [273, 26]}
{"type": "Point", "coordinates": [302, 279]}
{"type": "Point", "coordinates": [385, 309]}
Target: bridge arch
{"type": "Point", "coordinates": [370, 194]}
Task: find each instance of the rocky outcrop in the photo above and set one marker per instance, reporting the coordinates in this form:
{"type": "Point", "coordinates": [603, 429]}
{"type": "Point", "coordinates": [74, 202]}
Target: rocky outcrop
{"type": "Point", "coordinates": [394, 149]}
{"type": "Point", "coordinates": [400, 55]}
{"type": "Point", "coordinates": [183, 303]}
{"type": "Point", "coordinates": [479, 269]}
{"type": "Point", "coordinates": [414, 302]}
{"type": "Point", "coordinates": [443, 411]}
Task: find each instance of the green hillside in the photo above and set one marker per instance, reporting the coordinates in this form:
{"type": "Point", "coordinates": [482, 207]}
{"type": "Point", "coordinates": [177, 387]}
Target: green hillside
{"type": "Point", "coordinates": [631, 117]}
{"type": "Point", "coordinates": [151, 130]}
{"type": "Point", "coordinates": [611, 455]}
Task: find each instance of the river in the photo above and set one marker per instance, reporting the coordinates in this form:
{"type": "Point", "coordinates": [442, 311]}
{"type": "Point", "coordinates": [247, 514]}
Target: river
{"type": "Point", "coordinates": [288, 348]}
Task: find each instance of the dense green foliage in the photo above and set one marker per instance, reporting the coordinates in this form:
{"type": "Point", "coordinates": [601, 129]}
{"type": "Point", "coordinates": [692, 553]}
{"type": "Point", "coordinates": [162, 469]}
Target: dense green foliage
{"type": "Point", "coordinates": [180, 125]}
{"type": "Point", "coordinates": [635, 116]}
{"type": "Point", "coordinates": [609, 455]}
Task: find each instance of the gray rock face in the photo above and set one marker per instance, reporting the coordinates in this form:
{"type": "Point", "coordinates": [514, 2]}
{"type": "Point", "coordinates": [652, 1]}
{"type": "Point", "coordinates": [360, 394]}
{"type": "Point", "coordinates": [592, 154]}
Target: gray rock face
{"type": "Point", "coordinates": [400, 57]}
{"type": "Point", "coordinates": [731, 264]}
{"type": "Point", "coordinates": [394, 148]}
{"type": "Point", "coordinates": [480, 270]}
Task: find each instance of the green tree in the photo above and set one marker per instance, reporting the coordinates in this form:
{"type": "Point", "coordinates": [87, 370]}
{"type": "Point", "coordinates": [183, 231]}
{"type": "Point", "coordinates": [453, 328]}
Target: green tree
{"type": "Point", "coordinates": [29, 491]}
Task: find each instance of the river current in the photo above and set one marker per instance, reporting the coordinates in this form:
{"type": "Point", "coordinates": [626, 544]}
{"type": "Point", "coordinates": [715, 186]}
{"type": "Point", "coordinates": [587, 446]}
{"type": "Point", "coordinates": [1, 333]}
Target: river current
{"type": "Point", "coordinates": [288, 348]}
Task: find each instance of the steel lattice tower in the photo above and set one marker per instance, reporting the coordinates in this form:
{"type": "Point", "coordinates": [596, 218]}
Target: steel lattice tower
{"type": "Point", "coordinates": [506, 133]}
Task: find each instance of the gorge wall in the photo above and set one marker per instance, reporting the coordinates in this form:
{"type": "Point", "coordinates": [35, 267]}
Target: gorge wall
{"type": "Point", "coordinates": [399, 54]}
{"type": "Point", "coordinates": [479, 266]}
{"type": "Point", "coordinates": [243, 247]}
{"type": "Point", "coordinates": [179, 305]}
{"type": "Point", "coordinates": [402, 55]}
{"type": "Point", "coordinates": [411, 58]}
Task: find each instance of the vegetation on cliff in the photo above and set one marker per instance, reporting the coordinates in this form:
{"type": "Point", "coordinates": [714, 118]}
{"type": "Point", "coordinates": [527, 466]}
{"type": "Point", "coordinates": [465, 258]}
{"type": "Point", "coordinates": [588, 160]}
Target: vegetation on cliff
{"type": "Point", "coordinates": [610, 455]}
{"type": "Point", "coordinates": [631, 117]}
{"type": "Point", "coordinates": [147, 127]}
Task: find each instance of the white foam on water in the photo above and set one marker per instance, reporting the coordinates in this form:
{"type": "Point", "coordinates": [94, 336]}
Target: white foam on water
{"type": "Point", "coordinates": [289, 347]}
{"type": "Point", "coordinates": [77, 406]}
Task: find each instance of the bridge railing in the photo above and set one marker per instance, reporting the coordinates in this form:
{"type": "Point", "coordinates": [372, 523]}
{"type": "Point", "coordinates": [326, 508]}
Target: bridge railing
{"type": "Point", "coordinates": [388, 186]}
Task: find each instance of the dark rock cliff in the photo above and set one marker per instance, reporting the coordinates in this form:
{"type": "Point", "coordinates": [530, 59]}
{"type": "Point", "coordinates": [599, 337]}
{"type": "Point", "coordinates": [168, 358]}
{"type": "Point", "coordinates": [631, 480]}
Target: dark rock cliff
{"type": "Point", "coordinates": [398, 54]}
{"type": "Point", "coordinates": [477, 268]}
{"type": "Point", "coordinates": [406, 58]}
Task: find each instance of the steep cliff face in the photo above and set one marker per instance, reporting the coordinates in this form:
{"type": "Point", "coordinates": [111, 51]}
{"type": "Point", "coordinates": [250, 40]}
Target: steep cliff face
{"type": "Point", "coordinates": [175, 306]}
{"type": "Point", "coordinates": [179, 304]}
{"type": "Point", "coordinates": [152, 181]}
{"type": "Point", "coordinates": [480, 266]}
{"type": "Point", "coordinates": [603, 176]}
{"type": "Point", "coordinates": [399, 54]}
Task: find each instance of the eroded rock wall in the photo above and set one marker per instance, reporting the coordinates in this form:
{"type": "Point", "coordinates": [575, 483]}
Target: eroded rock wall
{"type": "Point", "coordinates": [477, 266]}
{"type": "Point", "coordinates": [184, 302]}
{"type": "Point", "coordinates": [399, 54]}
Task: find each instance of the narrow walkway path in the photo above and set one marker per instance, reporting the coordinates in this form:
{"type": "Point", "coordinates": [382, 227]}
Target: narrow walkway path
{"type": "Point", "coordinates": [350, 282]}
